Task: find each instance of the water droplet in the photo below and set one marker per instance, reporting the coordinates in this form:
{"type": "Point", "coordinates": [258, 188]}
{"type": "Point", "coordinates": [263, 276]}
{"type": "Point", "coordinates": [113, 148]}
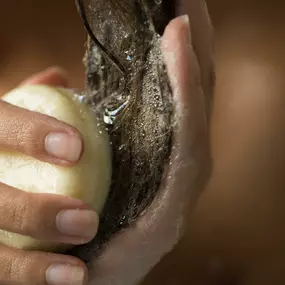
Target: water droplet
{"type": "Point", "coordinates": [113, 110]}
{"type": "Point", "coordinates": [129, 55]}
{"type": "Point", "coordinates": [123, 220]}
{"type": "Point", "coordinates": [79, 98]}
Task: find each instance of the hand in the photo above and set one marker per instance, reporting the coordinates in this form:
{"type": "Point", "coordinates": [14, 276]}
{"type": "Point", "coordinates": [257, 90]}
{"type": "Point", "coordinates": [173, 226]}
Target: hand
{"type": "Point", "coordinates": [37, 215]}
{"type": "Point", "coordinates": [131, 254]}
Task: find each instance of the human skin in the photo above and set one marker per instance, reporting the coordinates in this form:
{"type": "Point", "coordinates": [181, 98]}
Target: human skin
{"type": "Point", "coordinates": [236, 233]}
{"type": "Point", "coordinates": [237, 228]}
{"type": "Point", "coordinates": [130, 255]}
{"type": "Point", "coordinates": [190, 155]}
{"type": "Point", "coordinates": [37, 215]}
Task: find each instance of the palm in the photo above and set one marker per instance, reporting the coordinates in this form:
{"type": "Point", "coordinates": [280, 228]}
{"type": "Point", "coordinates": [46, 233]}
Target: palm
{"type": "Point", "coordinates": [132, 253]}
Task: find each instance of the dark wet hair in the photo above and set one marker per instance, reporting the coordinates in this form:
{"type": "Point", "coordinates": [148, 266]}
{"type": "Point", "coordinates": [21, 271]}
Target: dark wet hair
{"type": "Point", "coordinates": [128, 88]}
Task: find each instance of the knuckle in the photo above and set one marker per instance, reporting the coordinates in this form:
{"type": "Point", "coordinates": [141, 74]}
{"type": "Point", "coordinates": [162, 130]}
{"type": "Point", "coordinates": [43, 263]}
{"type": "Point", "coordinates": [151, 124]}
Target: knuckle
{"type": "Point", "coordinates": [12, 269]}
{"type": "Point", "coordinates": [20, 268]}
{"type": "Point", "coordinates": [33, 214]}
{"type": "Point", "coordinates": [30, 138]}
{"type": "Point", "coordinates": [21, 217]}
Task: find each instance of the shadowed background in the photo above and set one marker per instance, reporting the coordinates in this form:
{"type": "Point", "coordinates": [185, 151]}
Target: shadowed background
{"type": "Point", "coordinates": [236, 234]}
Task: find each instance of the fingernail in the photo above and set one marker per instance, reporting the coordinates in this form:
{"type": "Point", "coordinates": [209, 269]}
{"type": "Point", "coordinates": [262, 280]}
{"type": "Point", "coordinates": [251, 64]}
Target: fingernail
{"type": "Point", "coordinates": [78, 223]}
{"type": "Point", "coordinates": [185, 19]}
{"type": "Point", "coordinates": [64, 146]}
{"type": "Point", "coordinates": [56, 69]}
{"type": "Point", "coordinates": [59, 274]}
{"type": "Point", "coordinates": [58, 75]}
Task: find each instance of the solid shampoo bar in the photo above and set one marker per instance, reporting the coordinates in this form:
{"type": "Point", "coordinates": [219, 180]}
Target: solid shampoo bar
{"type": "Point", "coordinates": [89, 180]}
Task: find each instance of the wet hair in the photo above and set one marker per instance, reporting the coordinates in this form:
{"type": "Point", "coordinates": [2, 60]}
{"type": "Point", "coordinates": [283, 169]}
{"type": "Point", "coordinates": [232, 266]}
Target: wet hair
{"type": "Point", "coordinates": [128, 89]}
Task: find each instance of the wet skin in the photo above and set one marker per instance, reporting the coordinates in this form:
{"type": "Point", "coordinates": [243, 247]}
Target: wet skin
{"type": "Point", "coordinates": [167, 219]}
{"type": "Point", "coordinates": [236, 230]}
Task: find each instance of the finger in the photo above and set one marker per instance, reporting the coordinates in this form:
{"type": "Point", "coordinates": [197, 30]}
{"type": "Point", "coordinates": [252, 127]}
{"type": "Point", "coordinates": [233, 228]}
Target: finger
{"type": "Point", "coordinates": [185, 78]}
{"type": "Point", "coordinates": [159, 229]}
{"type": "Point", "coordinates": [54, 76]}
{"type": "Point", "coordinates": [36, 268]}
{"type": "Point", "coordinates": [47, 217]}
{"type": "Point", "coordinates": [202, 39]}
{"type": "Point", "coordinates": [191, 139]}
{"type": "Point", "coordinates": [38, 136]}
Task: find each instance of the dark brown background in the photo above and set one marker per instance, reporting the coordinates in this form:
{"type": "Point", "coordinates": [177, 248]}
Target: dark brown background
{"type": "Point", "coordinates": [236, 234]}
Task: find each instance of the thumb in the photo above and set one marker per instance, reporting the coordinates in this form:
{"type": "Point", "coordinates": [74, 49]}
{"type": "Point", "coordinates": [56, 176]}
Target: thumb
{"type": "Point", "coordinates": [54, 76]}
{"type": "Point", "coordinates": [157, 231]}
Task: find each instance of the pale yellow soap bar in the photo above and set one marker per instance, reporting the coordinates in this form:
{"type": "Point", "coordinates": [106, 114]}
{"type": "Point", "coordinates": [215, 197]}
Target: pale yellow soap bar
{"type": "Point", "coordinates": [89, 180]}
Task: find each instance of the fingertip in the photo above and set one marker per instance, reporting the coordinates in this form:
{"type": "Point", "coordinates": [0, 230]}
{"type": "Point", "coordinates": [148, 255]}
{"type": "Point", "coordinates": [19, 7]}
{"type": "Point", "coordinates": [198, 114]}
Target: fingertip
{"type": "Point", "coordinates": [185, 78]}
{"type": "Point", "coordinates": [64, 146]}
{"type": "Point", "coordinates": [179, 59]}
{"type": "Point", "coordinates": [54, 76]}
{"type": "Point", "coordinates": [58, 274]}
{"type": "Point", "coordinates": [57, 70]}
{"type": "Point", "coordinates": [63, 269]}
{"type": "Point", "coordinates": [175, 30]}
